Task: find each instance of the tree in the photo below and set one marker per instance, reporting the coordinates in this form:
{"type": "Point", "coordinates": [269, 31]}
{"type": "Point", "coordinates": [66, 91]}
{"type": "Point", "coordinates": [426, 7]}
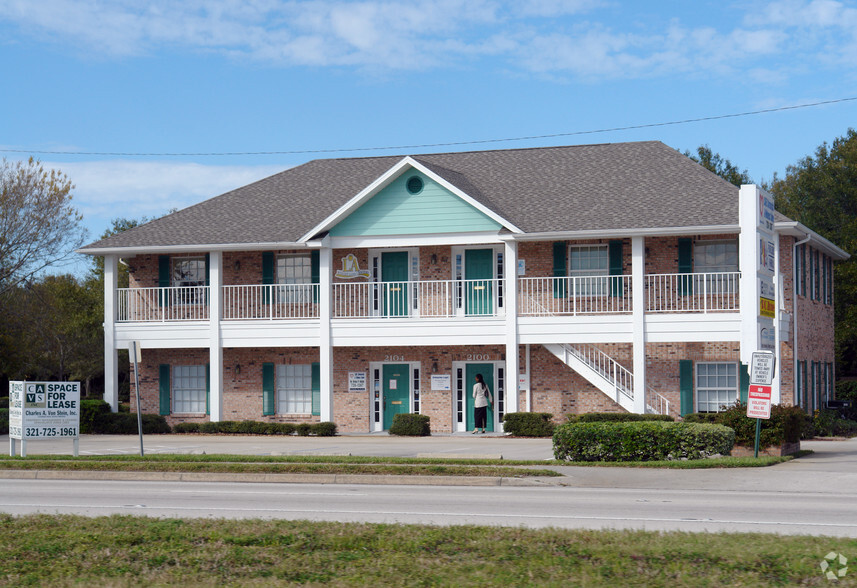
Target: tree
{"type": "Point", "coordinates": [722, 167]}
{"type": "Point", "coordinates": [38, 225]}
{"type": "Point", "coordinates": [821, 193]}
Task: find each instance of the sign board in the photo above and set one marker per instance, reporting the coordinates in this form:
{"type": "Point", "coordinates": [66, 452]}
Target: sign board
{"type": "Point", "coordinates": [441, 382]}
{"type": "Point", "coordinates": [523, 381]}
{"type": "Point", "coordinates": [44, 410]}
{"type": "Point", "coordinates": [357, 382]}
{"type": "Point", "coordinates": [759, 402]}
{"type": "Point", "coordinates": [762, 368]}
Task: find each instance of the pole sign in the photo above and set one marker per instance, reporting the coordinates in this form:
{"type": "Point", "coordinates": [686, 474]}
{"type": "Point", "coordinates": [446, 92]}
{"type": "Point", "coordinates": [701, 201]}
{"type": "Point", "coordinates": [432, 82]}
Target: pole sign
{"type": "Point", "coordinates": [44, 410]}
{"type": "Point", "coordinates": [759, 402]}
{"type": "Point", "coordinates": [762, 367]}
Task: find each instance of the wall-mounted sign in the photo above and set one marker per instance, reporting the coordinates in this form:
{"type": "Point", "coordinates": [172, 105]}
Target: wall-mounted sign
{"type": "Point", "coordinates": [442, 382]}
{"type": "Point", "coordinates": [351, 269]}
{"type": "Point", "coordinates": [767, 308]}
{"type": "Point", "coordinates": [522, 267]}
{"type": "Point", "coordinates": [357, 382]}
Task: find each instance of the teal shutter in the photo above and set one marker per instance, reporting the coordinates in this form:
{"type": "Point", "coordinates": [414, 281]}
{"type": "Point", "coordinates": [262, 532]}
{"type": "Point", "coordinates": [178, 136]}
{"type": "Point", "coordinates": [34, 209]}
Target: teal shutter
{"type": "Point", "coordinates": [208, 274]}
{"type": "Point", "coordinates": [268, 389]}
{"type": "Point", "coordinates": [560, 270]}
{"type": "Point", "coordinates": [685, 265]}
{"type": "Point", "coordinates": [616, 268]}
{"type": "Point", "coordinates": [208, 388]}
{"type": "Point", "coordinates": [315, 273]}
{"type": "Point", "coordinates": [802, 256]}
{"type": "Point", "coordinates": [685, 371]}
{"type": "Point", "coordinates": [743, 382]}
{"type": "Point", "coordinates": [267, 275]}
{"type": "Point", "coordinates": [163, 278]}
{"type": "Point", "coordinates": [164, 388]}
{"type": "Point", "coordinates": [316, 389]}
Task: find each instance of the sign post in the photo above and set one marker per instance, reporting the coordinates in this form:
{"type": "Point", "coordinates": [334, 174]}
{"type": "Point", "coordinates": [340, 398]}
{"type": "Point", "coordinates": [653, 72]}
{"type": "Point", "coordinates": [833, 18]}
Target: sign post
{"type": "Point", "coordinates": [762, 368]}
{"type": "Point", "coordinates": [136, 353]}
{"type": "Point", "coordinates": [43, 410]}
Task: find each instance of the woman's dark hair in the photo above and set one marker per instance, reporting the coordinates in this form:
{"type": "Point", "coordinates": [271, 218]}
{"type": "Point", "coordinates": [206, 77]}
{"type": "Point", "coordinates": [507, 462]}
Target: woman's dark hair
{"type": "Point", "coordinates": [479, 379]}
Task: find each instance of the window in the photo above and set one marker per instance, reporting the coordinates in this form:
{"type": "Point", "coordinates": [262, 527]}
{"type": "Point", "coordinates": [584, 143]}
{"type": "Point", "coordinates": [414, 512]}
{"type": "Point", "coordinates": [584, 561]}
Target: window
{"type": "Point", "coordinates": [294, 389]}
{"type": "Point", "coordinates": [189, 389]}
{"type": "Point", "coordinates": [716, 386]}
{"type": "Point", "coordinates": [587, 265]}
{"type": "Point", "coordinates": [717, 257]}
{"type": "Point", "coordinates": [293, 275]}
{"type": "Point", "coordinates": [188, 274]}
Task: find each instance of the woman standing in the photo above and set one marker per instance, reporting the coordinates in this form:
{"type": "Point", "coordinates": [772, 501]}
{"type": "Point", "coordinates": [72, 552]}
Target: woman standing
{"type": "Point", "coordinates": [482, 399]}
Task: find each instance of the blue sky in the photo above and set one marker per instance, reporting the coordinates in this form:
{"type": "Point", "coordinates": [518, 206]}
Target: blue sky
{"type": "Point", "coordinates": [91, 77]}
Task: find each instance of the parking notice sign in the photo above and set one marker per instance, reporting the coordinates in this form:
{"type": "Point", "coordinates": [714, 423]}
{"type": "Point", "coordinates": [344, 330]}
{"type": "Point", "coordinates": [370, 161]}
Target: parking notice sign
{"type": "Point", "coordinates": [759, 402]}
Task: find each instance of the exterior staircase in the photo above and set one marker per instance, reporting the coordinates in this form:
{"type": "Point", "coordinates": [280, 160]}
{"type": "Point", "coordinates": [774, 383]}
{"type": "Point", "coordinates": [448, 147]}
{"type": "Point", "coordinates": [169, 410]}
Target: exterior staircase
{"type": "Point", "coordinates": [606, 374]}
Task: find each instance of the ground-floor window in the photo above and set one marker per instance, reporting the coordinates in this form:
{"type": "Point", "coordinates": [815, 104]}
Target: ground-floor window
{"type": "Point", "coordinates": [294, 389]}
{"type": "Point", "coordinates": [716, 386]}
{"type": "Point", "coordinates": [188, 389]}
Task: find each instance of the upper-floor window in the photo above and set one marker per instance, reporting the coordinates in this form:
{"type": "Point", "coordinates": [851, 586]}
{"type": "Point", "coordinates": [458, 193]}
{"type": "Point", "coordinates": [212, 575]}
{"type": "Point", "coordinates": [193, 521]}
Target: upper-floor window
{"type": "Point", "coordinates": [715, 256]}
{"type": "Point", "coordinates": [590, 264]}
{"type": "Point", "coordinates": [188, 273]}
{"type": "Point", "coordinates": [294, 274]}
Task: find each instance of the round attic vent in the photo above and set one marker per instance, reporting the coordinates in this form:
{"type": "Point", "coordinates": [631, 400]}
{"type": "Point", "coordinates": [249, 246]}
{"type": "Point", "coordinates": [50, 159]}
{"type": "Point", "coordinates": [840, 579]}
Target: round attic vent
{"type": "Point", "coordinates": [415, 184]}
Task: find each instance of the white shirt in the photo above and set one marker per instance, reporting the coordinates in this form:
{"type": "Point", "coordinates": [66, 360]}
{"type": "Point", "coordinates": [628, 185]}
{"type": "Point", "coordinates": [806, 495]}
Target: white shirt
{"type": "Point", "coordinates": [482, 395]}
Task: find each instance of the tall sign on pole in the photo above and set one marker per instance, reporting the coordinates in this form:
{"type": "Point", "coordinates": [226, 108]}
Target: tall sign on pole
{"type": "Point", "coordinates": [758, 263]}
{"type": "Point", "coordinates": [762, 368]}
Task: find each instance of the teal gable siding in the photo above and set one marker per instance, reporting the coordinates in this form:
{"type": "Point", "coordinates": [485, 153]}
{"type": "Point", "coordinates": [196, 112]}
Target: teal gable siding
{"type": "Point", "coordinates": [395, 211]}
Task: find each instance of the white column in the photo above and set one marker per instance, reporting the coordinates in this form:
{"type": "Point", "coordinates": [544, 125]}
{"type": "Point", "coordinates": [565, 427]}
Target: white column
{"type": "Point", "coordinates": [325, 344]}
{"type": "Point", "coordinates": [215, 347]}
{"type": "Point", "coordinates": [638, 290]}
{"type": "Point", "coordinates": [111, 354]}
{"type": "Point", "coordinates": [510, 271]}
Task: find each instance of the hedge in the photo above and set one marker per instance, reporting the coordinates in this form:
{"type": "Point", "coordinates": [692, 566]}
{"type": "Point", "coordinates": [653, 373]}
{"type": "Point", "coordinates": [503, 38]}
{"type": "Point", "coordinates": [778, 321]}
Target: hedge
{"type": "Point", "coordinates": [123, 423]}
{"type": "Point", "coordinates": [784, 426]}
{"type": "Point", "coordinates": [409, 424]}
{"type": "Point", "coordinates": [257, 428]}
{"type": "Point", "coordinates": [4, 421]}
{"type": "Point", "coordinates": [640, 441]}
{"type": "Point", "coordinates": [616, 417]}
{"type": "Point", "coordinates": [529, 424]}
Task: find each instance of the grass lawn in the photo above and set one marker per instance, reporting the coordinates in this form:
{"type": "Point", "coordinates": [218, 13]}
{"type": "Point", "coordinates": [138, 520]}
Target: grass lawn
{"type": "Point", "coordinates": [44, 550]}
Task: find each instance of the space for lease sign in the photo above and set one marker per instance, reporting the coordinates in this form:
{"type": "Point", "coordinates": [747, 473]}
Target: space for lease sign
{"type": "Point", "coordinates": [44, 410]}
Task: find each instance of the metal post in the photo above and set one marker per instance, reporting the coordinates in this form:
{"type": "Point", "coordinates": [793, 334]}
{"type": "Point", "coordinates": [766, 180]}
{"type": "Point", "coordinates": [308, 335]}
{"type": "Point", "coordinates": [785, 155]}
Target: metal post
{"type": "Point", "coordinates": [137, 390]}
{"type": "Point", "coordinates": [758, 432]}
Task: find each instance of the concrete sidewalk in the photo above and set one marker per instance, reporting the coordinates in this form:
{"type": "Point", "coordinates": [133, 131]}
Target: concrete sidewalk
{"type": "Point", "coordinates": [831, 469]}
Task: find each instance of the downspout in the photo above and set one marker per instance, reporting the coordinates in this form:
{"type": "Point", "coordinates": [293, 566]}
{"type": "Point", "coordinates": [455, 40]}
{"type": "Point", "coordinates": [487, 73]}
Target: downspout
{"type": "Point", "coordinates": [529, 382]}
{"type": "Point", "coordinates": [794, 314]}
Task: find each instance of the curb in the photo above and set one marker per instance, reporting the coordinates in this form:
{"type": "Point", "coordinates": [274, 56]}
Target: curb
{"type": "Point", "coordinates": [389, 480]}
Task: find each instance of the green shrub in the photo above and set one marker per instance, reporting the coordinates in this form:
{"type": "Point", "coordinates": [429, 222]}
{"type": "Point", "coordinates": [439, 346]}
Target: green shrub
{"type": "Point", "coordinates": [826, 423]}
{"type": "Point", "coordinates": [846, 391]}
{"type": "Point", "coordinates": [414, 425]}
{"type": "Point", "coordinates": [303, 429]}
{"type": "Point", "coordinates": [186, 428]}
{"type": "Point", "coordinates": [90, 411]}
{"type": "Point", "coordinates": [325, 429]}
{"type": "Point", "coordinates": [784, 426]}
{"type": "Point", "coordinates": [4, 421]}
{"type": "Point", "coordinates": [123, 423]}
{"type": "Point", "coordinates": [640, 441]}
{"type": "Point", "coordinates": [528, 424]}
{"type": "Point", "coordinates": [4, 402]}
{"type": "Point", "coordinates": [616, 417]}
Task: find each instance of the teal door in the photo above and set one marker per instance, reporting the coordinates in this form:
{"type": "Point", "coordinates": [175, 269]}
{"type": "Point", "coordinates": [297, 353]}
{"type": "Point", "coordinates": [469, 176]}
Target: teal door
{"type": "Point", "coordinates": [394, 275]}
{"type": "Point", "coordinates": [470, 371]}
{"type": "Point", "coordinates": [397, 397]}
{"type": "Point", "coordinates": [478, 275]}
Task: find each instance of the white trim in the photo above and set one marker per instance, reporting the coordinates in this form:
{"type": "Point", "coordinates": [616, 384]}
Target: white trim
{"type": "Point", "coordinates": [111, 354]}
{"type": "Point", "coordinates": [126, 252]}
{"type": "Point", "coordinates": [379, 365]}
{"type": "Point", "coordinates": [622, 233]}
{"type": "Point", "coordinates": [423, 240]}
{"type": "Point", "coordinates": [215, 346]}
{"type": "Point", "coordinates": [385, 180]}
{"type": "Point", "coordinates": [467, 392]}
{"type": "Point", "coordinates": [638, 292]}
{"type": "Point", "coordinates": [797, 230]}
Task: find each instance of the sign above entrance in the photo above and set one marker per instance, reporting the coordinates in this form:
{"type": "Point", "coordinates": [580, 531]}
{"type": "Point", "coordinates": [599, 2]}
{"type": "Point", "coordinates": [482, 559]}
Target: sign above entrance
{"type": "Point", "coordinates": [351, 269]}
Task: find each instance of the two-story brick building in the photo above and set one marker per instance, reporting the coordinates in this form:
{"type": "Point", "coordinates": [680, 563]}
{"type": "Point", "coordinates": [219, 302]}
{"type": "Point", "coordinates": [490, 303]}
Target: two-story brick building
{"type": "Point", "coordinates": [574, 279]}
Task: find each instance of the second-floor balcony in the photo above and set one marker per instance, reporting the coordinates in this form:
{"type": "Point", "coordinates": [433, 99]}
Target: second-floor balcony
{"type": "Point", "coordinates": [448, 299]}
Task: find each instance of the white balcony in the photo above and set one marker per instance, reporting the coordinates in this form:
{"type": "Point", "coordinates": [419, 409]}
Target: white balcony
{"type": "Point", "coordinates": [449, 299]}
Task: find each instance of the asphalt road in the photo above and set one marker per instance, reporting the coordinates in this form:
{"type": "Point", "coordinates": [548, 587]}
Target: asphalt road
{"type": "Point", "coordinates": [812, 495]}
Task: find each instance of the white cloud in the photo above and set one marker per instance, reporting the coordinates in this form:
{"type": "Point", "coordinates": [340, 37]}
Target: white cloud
{"type": "Point", "coordinates": [105, 190]}
{"type": "Point", "coordinates": [543, 36]}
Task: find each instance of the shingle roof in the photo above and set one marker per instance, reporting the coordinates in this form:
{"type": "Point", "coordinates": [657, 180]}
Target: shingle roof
{"type": "Point", "coordinates": [603, 187]}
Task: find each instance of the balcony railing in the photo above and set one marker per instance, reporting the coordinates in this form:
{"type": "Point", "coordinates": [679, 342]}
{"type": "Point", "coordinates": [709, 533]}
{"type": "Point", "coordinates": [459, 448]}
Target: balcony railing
{"type": "Point", "coordinates": [574, 295]}
{"type": "Point", "coordinates": [273, 302]}
{"type": "Point", "coordinates": [180, 303]}
{"type": "Point", "coordinates": [561, 296]}
{"type": "Point", "coordinates": [712, 292]}
{"type": "Point", "coordinates": [424, 299]}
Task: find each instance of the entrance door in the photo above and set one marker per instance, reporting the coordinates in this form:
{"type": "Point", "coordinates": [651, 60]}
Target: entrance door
{"type": "Point", "coordinates": [394, 275]}
{"type": "Point", "coordinates": [397, 397]}
{"type": "Point", "coordinates": [487, 371]}
{"type": "Point", "coordinates": [479, 273]}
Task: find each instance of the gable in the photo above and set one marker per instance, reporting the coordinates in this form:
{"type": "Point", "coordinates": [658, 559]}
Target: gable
{"type": "Point", "coordinates": [396, 211]}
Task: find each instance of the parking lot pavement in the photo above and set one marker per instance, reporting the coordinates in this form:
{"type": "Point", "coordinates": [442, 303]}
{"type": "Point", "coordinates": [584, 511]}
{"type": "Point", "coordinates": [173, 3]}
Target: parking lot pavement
{"type": "Point", "coordinates": [382, 445]}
